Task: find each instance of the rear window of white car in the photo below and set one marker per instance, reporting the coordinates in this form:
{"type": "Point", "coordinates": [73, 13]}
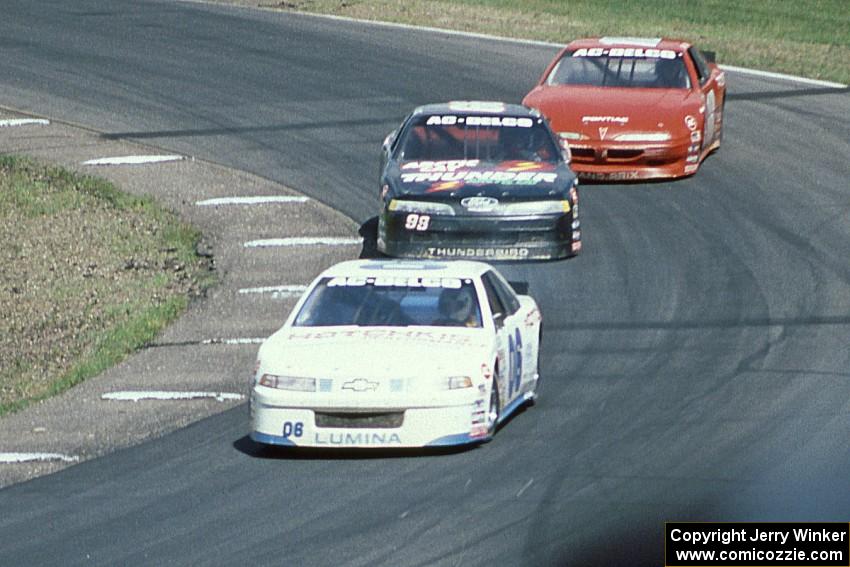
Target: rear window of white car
{"type": "Point", "coordinates": [391, 301]}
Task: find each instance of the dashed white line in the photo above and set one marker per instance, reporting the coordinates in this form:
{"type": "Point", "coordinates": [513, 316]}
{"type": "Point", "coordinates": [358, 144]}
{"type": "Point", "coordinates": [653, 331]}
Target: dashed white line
{"type": "Point", "coordinates": [9, 458]}
{"type": "Point", "coordinates": [23, 122]}
{"type": "Point", "coordinates": [303, 241]}
{"type": "Point", "coordinates": [132, 160]}
{"type": "Point", "coordinates": [252, 200]}
{"type": "Point", "coordinates": [277, 291]}
{"type": "Point", "coordinates": [135, 396]}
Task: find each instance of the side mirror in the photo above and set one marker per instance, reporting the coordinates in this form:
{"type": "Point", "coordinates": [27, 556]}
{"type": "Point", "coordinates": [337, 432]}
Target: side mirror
{"type": "Point", "coordinates": [521, 288]}
{"type": "Point", "coordinates": [565, 150]}
{"type": "Point", "coordinates": [388, 141]}
{"type": "Point", "coordinates": [498, 320]}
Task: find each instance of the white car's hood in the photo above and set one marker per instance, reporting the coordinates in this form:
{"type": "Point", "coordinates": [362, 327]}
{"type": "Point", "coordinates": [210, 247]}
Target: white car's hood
{"type": "Point", "coordinates": [374, 352]}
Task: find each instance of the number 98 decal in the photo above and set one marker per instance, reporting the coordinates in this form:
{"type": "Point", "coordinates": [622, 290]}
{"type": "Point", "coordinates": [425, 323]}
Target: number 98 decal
{"type": "Point", "coordinates": [414, 221]}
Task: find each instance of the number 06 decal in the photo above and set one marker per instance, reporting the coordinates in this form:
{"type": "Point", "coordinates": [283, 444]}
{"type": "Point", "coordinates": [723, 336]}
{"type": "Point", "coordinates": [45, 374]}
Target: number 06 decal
{"type": "Point", "coordinates": [291, 429]}
{"type": "Point", "coordinates": [414, 221]}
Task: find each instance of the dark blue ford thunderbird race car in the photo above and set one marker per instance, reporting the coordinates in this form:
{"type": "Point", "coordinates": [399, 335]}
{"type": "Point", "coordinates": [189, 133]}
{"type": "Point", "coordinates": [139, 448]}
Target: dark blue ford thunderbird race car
{"type": "Point", "coordinates": [483, 180]}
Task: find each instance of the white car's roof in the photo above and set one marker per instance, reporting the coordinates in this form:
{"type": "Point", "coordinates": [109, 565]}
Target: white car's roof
{"type": "Point", "coordinates": [409, 268]}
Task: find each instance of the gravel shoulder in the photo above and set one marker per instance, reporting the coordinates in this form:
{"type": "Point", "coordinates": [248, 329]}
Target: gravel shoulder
{"type": "Point", "coordinates": [193, 355]}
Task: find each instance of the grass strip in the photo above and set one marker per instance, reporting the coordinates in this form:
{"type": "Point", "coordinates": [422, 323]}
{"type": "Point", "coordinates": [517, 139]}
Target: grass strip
{"type": "Point", "coordinates": [88, 275]}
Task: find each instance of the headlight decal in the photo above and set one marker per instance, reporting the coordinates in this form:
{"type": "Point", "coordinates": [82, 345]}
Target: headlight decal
{"type": "Point", "coordinates": [292, 383]}
{"type": "Point", "coordinates": [643, 137]}
{"type": "Point", "coordinates": [404, 206]}
{"type": "Point", "coordinates": [534, 208]}
{"type": "Point", "coordinates": [459, 382]}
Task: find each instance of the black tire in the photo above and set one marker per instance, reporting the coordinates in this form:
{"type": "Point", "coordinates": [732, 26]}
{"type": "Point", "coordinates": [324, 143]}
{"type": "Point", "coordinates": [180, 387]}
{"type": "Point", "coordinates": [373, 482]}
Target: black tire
{"type": "Point", "coordinates": [493, 408]}
{"type": "Point", "coordinates": [722, 122]}
{"type": "Point", "coordinates": [533, 399]}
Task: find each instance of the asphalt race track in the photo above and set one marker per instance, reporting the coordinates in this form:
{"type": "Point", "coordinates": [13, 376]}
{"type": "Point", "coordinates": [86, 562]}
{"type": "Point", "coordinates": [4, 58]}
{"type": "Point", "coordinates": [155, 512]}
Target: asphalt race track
{"type": "Point", "coordinates": [696, 362]}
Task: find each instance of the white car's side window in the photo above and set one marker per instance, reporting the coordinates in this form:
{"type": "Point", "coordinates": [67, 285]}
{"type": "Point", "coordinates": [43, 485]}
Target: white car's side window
{"type": "Point", "coordinates": [497, 308]}
{"type": "Point", "coordinates": [505, 294]}
{"type": "Point", "coordinates": [511, 331]}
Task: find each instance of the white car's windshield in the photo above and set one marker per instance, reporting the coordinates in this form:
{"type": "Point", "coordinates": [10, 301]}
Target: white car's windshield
{"type": "Point", "coordinates": [664, 70]}
{"type": "Point", "coordinates": [391, 301]}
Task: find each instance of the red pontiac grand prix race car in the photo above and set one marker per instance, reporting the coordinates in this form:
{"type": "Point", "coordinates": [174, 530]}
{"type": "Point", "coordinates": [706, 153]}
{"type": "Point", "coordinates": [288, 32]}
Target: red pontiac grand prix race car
{"type": "Point", "coordinates": [633, 108]}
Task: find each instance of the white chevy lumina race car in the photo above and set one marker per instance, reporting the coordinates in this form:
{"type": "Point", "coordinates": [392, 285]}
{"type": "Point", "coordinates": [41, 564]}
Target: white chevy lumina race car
{"type": "Point", "coordinates": [397, 354]}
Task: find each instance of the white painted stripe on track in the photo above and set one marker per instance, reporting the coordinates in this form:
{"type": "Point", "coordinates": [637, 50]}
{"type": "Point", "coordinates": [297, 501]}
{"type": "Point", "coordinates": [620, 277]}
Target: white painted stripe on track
{"type": "Point", "coordinates": [237, 341]}
{"type": "Point", "coordinates": [303, 241]}
{"type": "Point", "coordinates": [251, 200]}
{"type": "Point", "coordinates": [133, 160]}
{"type": "Point", "coordinates": [539, 43]}
{"type": "Point", "coordinates": [783, 76]}
{"type": "Point", "coordinates": [276, 290]}
{"type": "Point", "coordinates": [23, 122]}
{"type": "Point", "coordinates": [471, 35]}
{"type": "Point", "coordinates": [9, 458]}
{"type": "Point", "coordinates": [135, 396]}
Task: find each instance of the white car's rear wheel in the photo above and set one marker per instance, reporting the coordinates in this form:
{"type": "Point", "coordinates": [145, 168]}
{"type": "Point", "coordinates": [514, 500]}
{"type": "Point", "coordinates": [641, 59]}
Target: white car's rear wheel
{"type": "Point", "coordinates": [533, 399]}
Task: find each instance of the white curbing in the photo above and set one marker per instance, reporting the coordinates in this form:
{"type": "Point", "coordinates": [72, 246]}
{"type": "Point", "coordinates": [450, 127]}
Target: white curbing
{"type": "Point", "coordinates": [251, 200]}
{"type": "Point", "coordinates": [303, 241]}
{"type": "Point", "coordinates": [135, 396]}
{"type": "Point", "coordinates": [10, 458]}
{"type": "Point", "coordinates": [23, 122]}
{"type": "Point", "coordinates": [276, 290]}
{"type": "Point", "coordinates": [238, 341]}
{"type": "Point", "coordinates": [133, 160]}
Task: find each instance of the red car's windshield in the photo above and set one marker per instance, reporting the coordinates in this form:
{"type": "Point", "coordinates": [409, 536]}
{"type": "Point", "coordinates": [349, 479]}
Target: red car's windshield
{"type": "Point", "coordinates": [620, 68]}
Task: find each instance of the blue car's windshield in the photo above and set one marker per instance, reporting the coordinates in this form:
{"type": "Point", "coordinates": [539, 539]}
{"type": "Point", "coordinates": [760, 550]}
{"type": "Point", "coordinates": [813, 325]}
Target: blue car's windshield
{"type": "Point", "coordinates": [474, 137]}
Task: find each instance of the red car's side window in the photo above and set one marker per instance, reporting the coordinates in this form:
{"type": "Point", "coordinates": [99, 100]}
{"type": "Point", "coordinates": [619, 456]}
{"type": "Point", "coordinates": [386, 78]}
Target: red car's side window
{"type": "Point", "coordinates": [700, 64]}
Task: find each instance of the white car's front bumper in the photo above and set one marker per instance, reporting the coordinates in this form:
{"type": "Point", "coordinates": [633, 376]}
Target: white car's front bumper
{"type": "Point", "coordinates": [453, 422]}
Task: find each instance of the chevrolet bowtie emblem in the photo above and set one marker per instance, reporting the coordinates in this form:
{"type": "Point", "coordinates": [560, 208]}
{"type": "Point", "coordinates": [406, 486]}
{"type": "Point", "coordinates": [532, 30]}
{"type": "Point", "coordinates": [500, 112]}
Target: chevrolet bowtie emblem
{"type": "Point", "coordinates": [360, 385]}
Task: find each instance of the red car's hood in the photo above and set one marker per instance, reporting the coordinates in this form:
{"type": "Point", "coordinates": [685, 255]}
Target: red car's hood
{"type": "Point", "coordinates": [613, 110]}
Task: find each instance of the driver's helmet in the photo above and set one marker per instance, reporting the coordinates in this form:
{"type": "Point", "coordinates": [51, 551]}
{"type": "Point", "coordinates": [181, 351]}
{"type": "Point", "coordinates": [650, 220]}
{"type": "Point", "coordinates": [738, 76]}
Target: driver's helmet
{"type": "Point", "coordinates": [458, 306]}
{"type": "Point", "coordinates": [517, 143]}
{"type": "Point", "coordinates": [514, 137]}
{"type": "Point", "coordinates": [669, 72]}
